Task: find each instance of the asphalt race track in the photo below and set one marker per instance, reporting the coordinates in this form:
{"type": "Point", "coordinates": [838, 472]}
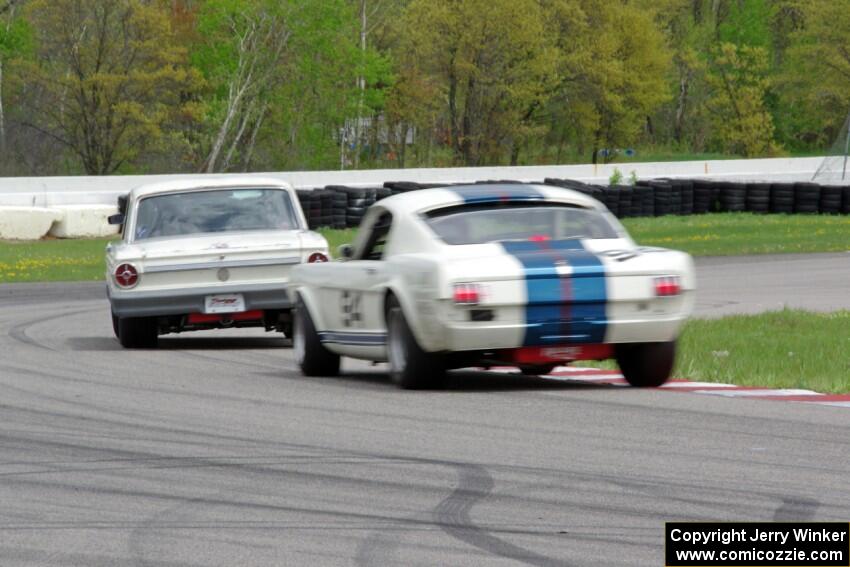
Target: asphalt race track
{"type": "Point", "coordinates": [214, 450]}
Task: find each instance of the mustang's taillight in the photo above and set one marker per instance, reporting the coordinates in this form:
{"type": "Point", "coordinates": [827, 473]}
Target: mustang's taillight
{"type": "Point", "coordinates": [667, 286]}
{"type": "Point", "coordinates": [126, 276]}
{"type": "Point", "coordinates": [467, 294]}
{"type": "Point", "coordinates": [317, 257]}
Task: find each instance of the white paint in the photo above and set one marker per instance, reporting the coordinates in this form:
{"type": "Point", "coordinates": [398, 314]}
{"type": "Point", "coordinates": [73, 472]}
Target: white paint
{"type": "Point", "coordinates": [26, 223]}
{"type": "Point", "coordinates": [612, 380]}
{"type": "Point", "coordinates": [84, 221]}
{"type": "Point", "coordinates": [706, 385]}
{"type": "Point", "coordinates": [757, 393]}
{"type": "Point", "coordinates": [834, 404]}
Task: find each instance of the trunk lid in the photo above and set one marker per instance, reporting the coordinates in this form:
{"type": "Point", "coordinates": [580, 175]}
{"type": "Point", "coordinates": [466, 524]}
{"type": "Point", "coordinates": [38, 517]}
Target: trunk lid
{"type": "Point", "coordinates": [215, 260]}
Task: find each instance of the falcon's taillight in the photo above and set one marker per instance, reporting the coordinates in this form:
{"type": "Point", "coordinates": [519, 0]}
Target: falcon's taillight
{"type": "Point", "coordinates": [126, 276]}
{"type": "Point", "coordinates": [317, 257]}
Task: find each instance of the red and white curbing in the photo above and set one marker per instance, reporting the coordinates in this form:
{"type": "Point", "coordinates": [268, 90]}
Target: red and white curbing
{"type": "Point", "coordinates": [614, 378]}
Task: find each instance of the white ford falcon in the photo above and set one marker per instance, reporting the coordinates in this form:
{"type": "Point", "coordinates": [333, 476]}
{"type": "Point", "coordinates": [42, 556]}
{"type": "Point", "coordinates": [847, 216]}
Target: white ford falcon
{"type": "Point", "coordinates": [206, 254]}
{"type": "Point", "coordinates": [529, 276]}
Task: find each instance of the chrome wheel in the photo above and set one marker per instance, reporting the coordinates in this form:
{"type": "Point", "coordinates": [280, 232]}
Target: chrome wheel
{"type": "Point", "coordinates": [298, 342]}
{"type": "Point", "coordinates": [395, 338]}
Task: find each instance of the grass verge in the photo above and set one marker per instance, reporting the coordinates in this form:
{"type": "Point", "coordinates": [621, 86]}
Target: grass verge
{"type": "Point", "coordinates": [733, 234]}
{"type": "Point", "coordinates": [701, 235]}
{"type": "Point", "coordinates": [779, 349]}
{"type": "Point", "coordinates": [52, 260]}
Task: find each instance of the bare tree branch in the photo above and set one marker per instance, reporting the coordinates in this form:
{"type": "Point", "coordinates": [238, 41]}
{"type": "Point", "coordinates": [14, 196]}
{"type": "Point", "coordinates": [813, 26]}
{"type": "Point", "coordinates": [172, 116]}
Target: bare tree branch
{"type": "Point", "coordinates": [9, 4]}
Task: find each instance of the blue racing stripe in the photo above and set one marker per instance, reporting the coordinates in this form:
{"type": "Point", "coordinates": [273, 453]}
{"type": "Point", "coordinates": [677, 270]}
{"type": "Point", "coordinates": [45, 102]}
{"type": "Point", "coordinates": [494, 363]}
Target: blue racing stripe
{"type": "Point", "coordinates": [496, 193]}
{"type": "Point", "coordinates": [566, 309]}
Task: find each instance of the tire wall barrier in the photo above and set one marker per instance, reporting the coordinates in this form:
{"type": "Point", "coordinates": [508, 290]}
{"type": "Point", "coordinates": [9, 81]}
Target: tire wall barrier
{"type": "Point", "coordinates": [339, 206]}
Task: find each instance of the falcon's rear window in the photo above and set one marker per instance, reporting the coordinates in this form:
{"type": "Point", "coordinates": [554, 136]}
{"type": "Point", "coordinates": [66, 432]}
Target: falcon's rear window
{"type": "Point", "coordinates": [478, 224]}
{"type": "Point", "coordinates": [220, 210]}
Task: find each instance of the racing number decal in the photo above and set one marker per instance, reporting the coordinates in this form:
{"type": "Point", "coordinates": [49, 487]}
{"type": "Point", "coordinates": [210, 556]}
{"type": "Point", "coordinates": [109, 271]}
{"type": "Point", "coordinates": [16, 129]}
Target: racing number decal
{"type": "Point", "coordinates": [350, 308]}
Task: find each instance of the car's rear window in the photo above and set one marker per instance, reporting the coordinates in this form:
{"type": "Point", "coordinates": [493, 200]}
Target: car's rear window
{"type": "Point", "coordinates": [220, 210]}
{"type": "Point", "coordinates": [478, 224]}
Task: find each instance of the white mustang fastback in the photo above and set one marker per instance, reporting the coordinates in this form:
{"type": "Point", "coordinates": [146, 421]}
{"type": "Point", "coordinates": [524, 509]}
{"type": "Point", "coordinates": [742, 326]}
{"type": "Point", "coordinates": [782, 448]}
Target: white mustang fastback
{"type": "Point", "coordinates": [206, 254]}
{"type": "Point", "coordinates": [529, 276]}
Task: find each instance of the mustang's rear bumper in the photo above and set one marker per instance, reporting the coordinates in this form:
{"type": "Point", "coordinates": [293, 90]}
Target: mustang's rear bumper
{"type": "Point", "coordinates": [188, 300]}
{"type": "Point", "coordinates": [467, 336]}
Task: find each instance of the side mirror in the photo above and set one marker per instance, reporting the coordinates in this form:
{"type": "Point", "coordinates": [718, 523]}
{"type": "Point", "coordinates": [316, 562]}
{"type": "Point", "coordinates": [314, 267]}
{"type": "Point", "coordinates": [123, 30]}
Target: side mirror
{"type": "Point", "coordinates": [116, 219]}
{"type": "Point", "coordinates": [345, 251]}
{"type": "Point", "coordinates": [122, 204]}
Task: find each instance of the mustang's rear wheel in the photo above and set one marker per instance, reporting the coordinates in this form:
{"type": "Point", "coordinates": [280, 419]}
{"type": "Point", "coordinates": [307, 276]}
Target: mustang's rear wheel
{"type": "Point", "coordinates": [646, 365]}
{"type": "Point", "coordinates": [115, 324]}
{"type": "Point", "coordinates": [537, 369]}
{"type": "Point", "coordinates": [310, 354]}
{"type": "Point", "coordinates": [411, 367]}
{"type": "Point", "coordinates": [137, 332]}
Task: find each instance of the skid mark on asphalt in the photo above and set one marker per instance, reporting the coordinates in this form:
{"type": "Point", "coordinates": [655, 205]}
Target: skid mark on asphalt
{"type": "Point", "coordinates": [796, 510]}
{"type": "Point", "coordinates": [452, 515]}
{"type": "Point", "coordinates": [19, 331]}
{"type": "Point", "coordinates": [381, 546]}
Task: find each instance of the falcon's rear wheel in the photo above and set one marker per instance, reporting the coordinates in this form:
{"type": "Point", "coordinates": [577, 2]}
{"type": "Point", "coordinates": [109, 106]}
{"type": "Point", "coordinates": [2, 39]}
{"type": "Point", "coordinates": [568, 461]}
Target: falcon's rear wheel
{"type": "Point", "coordinates": [138, 332]}
{"type": "Point", "coordinates": [646, 365]}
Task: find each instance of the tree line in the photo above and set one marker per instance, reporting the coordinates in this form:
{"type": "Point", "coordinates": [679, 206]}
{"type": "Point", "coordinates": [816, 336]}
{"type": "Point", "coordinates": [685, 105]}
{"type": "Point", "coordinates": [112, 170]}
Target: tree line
{"type": "Point", "coordinates": [154, 86]}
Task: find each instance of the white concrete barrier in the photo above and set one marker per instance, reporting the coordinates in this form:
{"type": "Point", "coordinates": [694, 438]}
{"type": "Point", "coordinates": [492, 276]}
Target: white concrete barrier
{"type": "Point", "coordinates": [84, 221]}
{"type": "Point", "coordinates": [26, 223]}
{"type": "Point", "coordinates": [30, 205]}
{"type": "Point", "coordinates": [53, 191]}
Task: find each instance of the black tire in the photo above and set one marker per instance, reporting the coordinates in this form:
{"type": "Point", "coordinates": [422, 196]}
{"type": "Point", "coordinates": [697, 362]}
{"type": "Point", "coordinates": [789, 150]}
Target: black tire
{"type": "Point", "coordinates": [137, 332]}
{"type": "Point", "coordinates": [646, 365]}
{"type": "Point", "coordinates": [411, 367]}
{"type": "Point", "coordinates": [115, 324]}
{"type": "Point", "coordinates": [310, 354]}
{"type": "Point", "coordinates": [537, 369]}
{"type": "Point", "coordinates": [286, 330]}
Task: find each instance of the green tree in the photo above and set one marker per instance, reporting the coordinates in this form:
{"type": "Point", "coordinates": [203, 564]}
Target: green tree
{"type": "Point", "coordinates": [245, 43]}
{"type": "Point", "coordinates": [108, 82]}
{"type": "Point", "coordinates": [14, 40]}
{"type": "Point", "coordinates": [614, 64]}
{"type": "Point", "coordinates": [724, 72]}
{"type": "Point", "coordinates": [815, 77]}
{"type": "Point", "coordinates": [747, 23]}
{"type": "Point", "coordinates": [688, 35]}
{"type": "Point", "coordinates": [491, 62]}
{"type": "Point", "coordinates": [739, 78]}
{"type": "Point", "coordinates": [283, 79]}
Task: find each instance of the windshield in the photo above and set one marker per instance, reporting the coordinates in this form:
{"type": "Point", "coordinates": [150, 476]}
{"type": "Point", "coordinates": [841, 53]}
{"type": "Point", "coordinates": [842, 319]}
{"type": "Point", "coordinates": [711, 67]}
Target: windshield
{"type": "Point", "coordinates": [517, 221]}
{"type": "Point", "coordinates": [220, 210]}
